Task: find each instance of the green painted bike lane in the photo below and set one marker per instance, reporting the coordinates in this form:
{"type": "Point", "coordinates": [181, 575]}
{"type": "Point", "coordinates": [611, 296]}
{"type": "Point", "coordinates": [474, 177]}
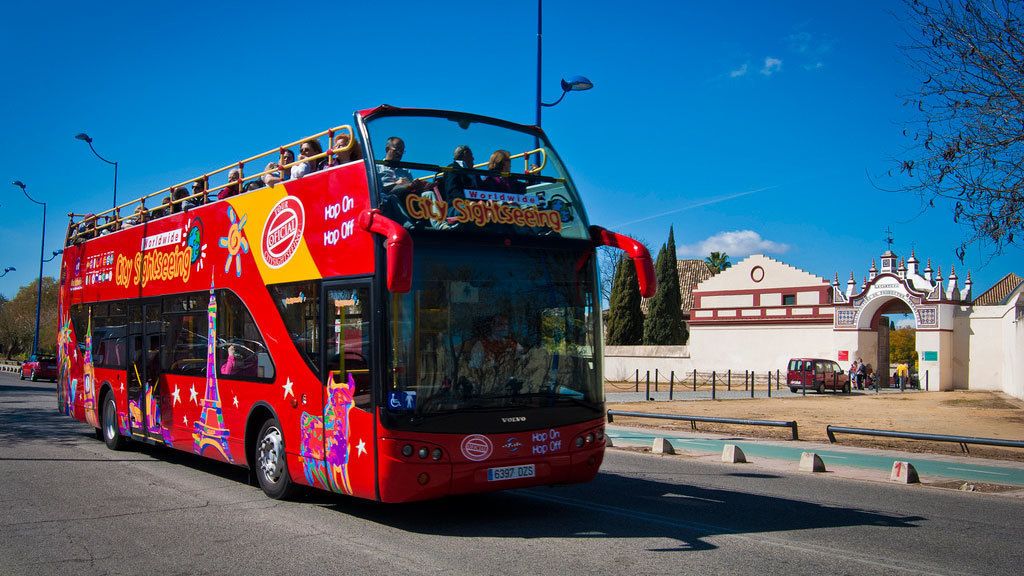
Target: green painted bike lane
{"type": "Point", "coordinates": [926, 465]}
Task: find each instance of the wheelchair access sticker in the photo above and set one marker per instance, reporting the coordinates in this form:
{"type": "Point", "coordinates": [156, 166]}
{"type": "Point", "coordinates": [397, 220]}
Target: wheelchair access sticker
{"type": "Point", "coordinates": [401, 400]}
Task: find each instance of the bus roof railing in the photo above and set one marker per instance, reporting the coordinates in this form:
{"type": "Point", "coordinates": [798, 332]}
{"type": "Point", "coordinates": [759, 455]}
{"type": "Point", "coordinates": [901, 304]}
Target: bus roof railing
{"type": "Point", "coordinates": [114, 217]}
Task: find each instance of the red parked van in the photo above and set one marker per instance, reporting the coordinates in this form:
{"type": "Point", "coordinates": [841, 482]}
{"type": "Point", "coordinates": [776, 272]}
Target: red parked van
{"type": "Point", "coordinates": [816, 374]}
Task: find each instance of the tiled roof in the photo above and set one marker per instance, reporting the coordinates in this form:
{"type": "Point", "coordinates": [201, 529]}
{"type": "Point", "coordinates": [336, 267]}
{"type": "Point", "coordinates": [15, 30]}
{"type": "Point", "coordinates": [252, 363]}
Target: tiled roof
{"type": "Point", "coordinates": [691, 273]}
{"type": "Point", "coordinates": [998, 293]}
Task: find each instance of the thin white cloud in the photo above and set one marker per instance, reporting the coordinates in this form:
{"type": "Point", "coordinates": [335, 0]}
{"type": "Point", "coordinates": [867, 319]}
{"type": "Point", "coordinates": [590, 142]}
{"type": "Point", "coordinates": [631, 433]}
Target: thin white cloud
{"type": "Point", "coordinates": [771, 66]}
{"type": "Point", "coordinates": [735, 243]}
{"type": "Point", "coordinates": [800, 42]}
{"type": "Point", "coordinates": [741, 71]}
{"type": "Point", "coordinates": [697, 204]}
{"type": "Point", "coordinates": [811, 49]}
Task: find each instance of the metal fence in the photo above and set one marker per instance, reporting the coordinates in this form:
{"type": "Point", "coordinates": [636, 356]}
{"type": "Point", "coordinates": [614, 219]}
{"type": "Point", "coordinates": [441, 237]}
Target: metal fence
{"type": "Point", "coordinates": [792, 425]}
{"type": "Point", "coordinates": [963, 441]}
{"type": "Point", "coordinates": [729, 380]}
{"type": "Point", "coordinates": [714, 381]}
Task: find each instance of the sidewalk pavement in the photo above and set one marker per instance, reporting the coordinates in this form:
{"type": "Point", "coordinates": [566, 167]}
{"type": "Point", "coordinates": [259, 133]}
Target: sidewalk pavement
{"type": "Point", "coordinates": [864, 463]}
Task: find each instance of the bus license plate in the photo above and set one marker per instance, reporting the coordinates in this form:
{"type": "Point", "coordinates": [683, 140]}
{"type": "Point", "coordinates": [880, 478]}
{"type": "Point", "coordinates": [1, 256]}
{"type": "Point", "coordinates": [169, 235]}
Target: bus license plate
{"type": "Point", "coordinates": [510, 473]}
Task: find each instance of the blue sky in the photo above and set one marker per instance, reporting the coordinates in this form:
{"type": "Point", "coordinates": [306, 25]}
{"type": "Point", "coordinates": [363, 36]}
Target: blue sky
{"type": "Point", "coordinates": [775, 120]}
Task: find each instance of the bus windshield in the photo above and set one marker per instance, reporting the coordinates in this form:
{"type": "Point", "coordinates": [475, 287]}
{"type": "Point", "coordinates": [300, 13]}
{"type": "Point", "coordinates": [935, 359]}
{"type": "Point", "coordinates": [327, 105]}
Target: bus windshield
{"type": "Point", "coordinates": [489, 327]}
{"type": "Point", "coordinates": [455, 172]}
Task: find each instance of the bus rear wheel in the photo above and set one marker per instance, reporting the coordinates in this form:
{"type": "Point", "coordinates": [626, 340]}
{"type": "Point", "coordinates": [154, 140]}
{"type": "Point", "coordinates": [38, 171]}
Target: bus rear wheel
{"type": "Point", "coordinates": [270, 462]}
{"type": "Point", "coordinates": [111, 435]}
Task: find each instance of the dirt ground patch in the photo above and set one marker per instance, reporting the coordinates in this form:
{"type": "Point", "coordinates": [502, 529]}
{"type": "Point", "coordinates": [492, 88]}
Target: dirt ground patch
{"type": "Point", "coordinates": [984, 414]}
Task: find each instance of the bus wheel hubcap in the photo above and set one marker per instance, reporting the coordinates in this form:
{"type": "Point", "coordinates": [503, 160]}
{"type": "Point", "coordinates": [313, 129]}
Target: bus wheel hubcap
{"type": "Point", "coordinates": [270, 453]}
{"type": "Point", "coordinates": [108, 420]}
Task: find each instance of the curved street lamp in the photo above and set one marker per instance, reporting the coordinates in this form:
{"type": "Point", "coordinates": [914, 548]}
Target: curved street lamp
{"type": "Point", "coordinates": [55, 254]}
{"type": "Point", "coordinates": [42, 242]}
{"type": "Point", "coordinates": [6, 270]}
{"type": "Point", "coordinates": [573, 84]}
{"type": "Point", "coordinates": [88, 140]}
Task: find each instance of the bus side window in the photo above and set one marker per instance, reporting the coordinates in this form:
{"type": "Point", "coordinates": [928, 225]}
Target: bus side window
{"type": "Point", "coordinates": [241, 351]}
{"type": "Point", "coordinates": [299, 306]}
{"type": "Point", "coordinates": [185, 349]}
{"type": "Point", "coordinates": [348, 339]}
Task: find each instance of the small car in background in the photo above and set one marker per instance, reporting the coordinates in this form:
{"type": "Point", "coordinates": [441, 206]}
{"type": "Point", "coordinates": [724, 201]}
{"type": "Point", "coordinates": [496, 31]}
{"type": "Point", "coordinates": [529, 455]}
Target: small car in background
{"type": "Point", "coordinates": [816, 374]}
{"type": "Point", "coordinates": [39, 367]}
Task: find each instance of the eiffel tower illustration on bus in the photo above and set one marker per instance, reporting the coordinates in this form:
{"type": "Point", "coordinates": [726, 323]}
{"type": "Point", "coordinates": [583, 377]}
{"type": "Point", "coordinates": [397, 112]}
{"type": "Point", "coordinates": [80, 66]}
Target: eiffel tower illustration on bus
{"type": "Point", "coordinates": [208, 429]}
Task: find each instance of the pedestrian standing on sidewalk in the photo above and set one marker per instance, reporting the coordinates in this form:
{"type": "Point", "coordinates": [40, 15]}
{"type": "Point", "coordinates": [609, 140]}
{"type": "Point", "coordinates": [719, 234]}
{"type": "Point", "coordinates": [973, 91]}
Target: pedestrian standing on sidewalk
{"type": "Point", "coordinates": [861, 374]}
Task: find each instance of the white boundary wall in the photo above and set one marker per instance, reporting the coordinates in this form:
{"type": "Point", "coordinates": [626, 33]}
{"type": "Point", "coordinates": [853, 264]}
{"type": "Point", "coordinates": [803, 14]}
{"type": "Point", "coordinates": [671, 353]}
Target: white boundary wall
{"type": "Point", "coordinates": [622, 362]}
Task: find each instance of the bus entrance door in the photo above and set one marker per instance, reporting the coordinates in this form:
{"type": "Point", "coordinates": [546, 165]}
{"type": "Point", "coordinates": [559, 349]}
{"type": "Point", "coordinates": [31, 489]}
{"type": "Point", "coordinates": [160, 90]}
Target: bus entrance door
{"type": "Point", "coordinates": [145, 338]}
{"type": "Point", "coordinates": [348, 414]}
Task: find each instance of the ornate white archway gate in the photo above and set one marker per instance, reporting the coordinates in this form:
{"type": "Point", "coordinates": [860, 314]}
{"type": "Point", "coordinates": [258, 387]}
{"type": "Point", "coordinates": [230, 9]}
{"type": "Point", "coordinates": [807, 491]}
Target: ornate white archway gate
{"type": "Point", "coordinates": [857, 312]}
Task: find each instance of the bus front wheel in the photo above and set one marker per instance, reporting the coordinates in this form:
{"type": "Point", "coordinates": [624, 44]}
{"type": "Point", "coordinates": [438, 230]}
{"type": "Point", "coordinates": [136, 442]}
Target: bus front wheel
{"type": "Point", "coordinates": [271, 466]}
{"type": "Point", "coordinates": [111, 435]}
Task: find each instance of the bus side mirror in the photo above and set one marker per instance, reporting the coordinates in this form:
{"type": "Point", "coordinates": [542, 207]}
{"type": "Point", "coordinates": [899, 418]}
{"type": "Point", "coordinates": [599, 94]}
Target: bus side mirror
{"type": "Point", "coordinates": [397, 244]}
{"type": "Point", "coordinates": [636, 251]}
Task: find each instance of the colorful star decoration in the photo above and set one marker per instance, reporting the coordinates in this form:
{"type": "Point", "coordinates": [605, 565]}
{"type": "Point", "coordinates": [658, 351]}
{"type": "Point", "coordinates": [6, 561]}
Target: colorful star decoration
{"type": "Point", "coordinates": [288, 388]}
{"type": "Point", "coordinates": [361, 448]}
{"type": "Point", "coordinates": [235, 402]}
{"type": "Point", "coordinates": [176, 394]}
{"type": "Point", "coordinates": [235, 242]}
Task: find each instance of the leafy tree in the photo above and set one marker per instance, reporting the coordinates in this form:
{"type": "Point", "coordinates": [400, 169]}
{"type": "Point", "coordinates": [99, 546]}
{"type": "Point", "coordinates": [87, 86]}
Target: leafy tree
{"type": "Point", "coordinates": [664, 323]}
{"type": "Point", "coordinates": [18, 319]}
{"type": "Point", "coordinates": [718, 261]}
{"type": "Point", "coordinates": [625, 319]}
{"type": "Point", "coordinates": [902, 346]}
{"type": "Point", "coordinates": [966, 144]}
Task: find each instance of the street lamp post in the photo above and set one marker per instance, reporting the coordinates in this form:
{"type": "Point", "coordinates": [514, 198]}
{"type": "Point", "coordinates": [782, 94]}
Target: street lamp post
{"type": "Point", "coordinates": [55, 254]}
{"type": "Point", "coordinates": [88, 140]}
{"type": "Point", "coordinates": [6, 270]}
{"type": "Point", "coordinates": [42, 242]}
{"type": "Point", "coordinates": [572, 84]}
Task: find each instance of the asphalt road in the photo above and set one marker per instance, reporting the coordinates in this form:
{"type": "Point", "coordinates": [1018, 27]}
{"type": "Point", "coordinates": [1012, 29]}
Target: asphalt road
{"type": "Point", "coordinates": [70, 506]}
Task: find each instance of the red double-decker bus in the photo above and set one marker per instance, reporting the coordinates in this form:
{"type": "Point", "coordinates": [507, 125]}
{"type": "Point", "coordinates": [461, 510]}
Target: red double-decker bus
{"type": "Point", "coordinates": [379, 317]}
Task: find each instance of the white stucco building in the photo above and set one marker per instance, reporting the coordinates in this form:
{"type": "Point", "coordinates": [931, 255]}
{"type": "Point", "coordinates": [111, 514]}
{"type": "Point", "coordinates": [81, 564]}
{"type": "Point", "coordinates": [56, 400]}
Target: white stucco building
{"type": "Point", "coordinates": [761, 312]}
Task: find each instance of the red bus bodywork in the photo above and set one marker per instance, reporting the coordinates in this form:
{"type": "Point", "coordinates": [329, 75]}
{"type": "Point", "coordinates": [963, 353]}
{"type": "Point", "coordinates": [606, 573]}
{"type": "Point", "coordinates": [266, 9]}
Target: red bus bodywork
{"type": "Point", "coordinates": [305, 229]}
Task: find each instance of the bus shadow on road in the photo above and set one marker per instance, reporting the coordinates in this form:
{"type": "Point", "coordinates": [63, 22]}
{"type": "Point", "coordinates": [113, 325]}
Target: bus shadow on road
{"type": "Point", "coordinates": [616, 507]}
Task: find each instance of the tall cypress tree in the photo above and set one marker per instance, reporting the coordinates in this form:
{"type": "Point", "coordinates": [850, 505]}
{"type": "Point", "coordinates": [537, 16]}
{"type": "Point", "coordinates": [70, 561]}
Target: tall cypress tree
{"type": "Point", "coordinates": [664, 322]}
{"type": "Point", "coordinates": [625, 319]}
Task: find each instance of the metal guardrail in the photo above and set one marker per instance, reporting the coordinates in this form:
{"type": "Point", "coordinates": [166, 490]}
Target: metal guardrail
{"type": "Point", "coordinates": [694, 419]}
{"type": "Point", "coordinates": [963, 441]}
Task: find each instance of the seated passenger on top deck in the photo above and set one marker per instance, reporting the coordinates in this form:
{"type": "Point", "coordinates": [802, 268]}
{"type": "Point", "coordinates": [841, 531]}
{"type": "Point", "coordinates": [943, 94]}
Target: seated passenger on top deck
{"type": "Point", "coordinates": [86, 229]}
{"type": "Point", "coordinates": [113, 224]}
{"type": "Point", "coordinates": [198, 187]}
{"type": "Point", "coordinates": [396, 182]}
{"type": "Point", "coordinates": [279, 175]}
{"type": "Point", "coordinates": [501, 164]}
{"type": "Point", "coordinates": [395, 179]}
{"type": "Point", "coordinates": [341, 156]}
{"type": "Point", "coordinates": [458, 180]}
{"type": "Point", "coordinates": [138, 217]}
{"type": "Point", "coordinates": [308, 149]}
{"type": "Point", "coordinates": [164, 209]}
{"type": "Point", "coordinates": [234, 185]}
{"type": "Point", "coordinates": [178, 195]}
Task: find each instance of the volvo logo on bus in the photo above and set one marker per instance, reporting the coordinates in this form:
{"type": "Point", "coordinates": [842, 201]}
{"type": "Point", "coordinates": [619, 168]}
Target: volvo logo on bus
{"type": "Point", "coordinates": [283, 231]}
{"type": "Point", "coordinates": [513, 419]}
{"type": "Point", "coordinates": [476, 447]}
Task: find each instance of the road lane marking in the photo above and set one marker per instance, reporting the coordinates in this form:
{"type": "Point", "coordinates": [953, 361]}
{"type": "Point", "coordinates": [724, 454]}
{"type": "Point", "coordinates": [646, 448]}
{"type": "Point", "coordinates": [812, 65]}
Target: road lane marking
{"type": "Point", "coordinates": [979, 471]}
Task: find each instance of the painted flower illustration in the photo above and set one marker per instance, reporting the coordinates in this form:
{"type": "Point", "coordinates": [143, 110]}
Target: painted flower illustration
{"type": "Point", "coordinates": [235, 242]}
